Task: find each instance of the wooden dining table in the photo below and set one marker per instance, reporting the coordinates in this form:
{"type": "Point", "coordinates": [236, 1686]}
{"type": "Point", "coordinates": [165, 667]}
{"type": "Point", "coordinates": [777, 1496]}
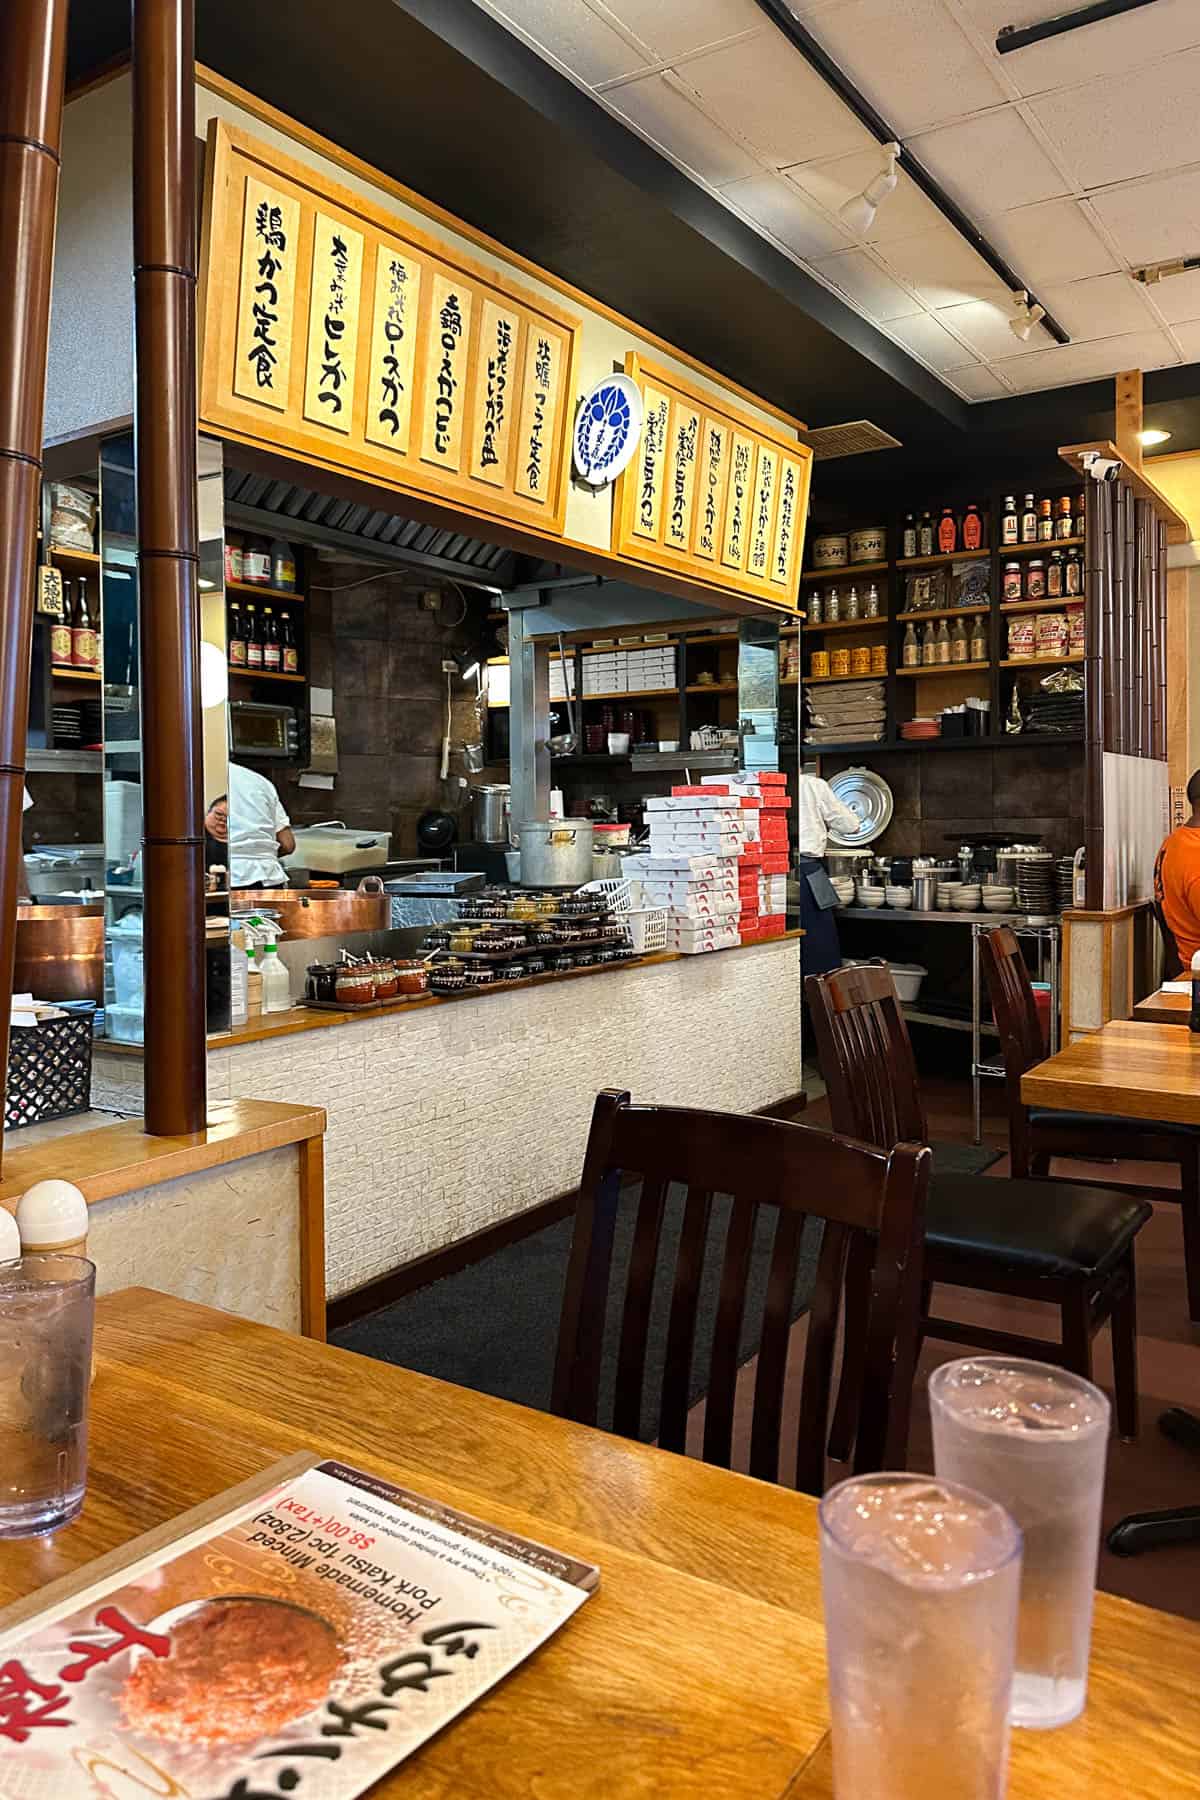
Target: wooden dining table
{"type": "Point", "coordinates": [698, 1667]}
{"type": "Point", "coordinates": [1161, 1008]}
{"type": "Point", "coordinates": [1130, 1068]}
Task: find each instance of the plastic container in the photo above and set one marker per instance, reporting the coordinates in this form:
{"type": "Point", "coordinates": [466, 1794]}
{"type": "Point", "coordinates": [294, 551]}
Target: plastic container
{"type": "Point", "coordinates": [908, 978]}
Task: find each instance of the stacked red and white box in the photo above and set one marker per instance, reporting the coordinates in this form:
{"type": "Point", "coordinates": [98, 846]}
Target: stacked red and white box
{"type": "Point", "coordinates": [765, 862]}
{"type": "Point", "coordinates": [690, 866]}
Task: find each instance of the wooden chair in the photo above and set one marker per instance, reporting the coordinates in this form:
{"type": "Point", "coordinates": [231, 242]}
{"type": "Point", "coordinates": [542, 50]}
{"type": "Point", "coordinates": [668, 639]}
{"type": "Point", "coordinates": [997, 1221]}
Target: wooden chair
{"type": "Point", "coordinates": [875, 1201]}
{"type": "Point", "coordinates": [1037, 1134]}
{"type": "Point", "coordinates": [1061, 1242]}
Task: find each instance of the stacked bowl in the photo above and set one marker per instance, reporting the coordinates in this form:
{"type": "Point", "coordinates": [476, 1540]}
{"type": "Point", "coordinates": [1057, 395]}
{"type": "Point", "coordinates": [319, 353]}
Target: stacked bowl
{"type": "Point", "coordinates": [999, 899]}
{"type": "Point", "coordinates": [967, 896]}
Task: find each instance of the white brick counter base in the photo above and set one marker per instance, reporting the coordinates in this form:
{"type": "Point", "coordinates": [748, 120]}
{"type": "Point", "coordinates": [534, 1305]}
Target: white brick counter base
{"type": "Point", "coordinates": [450, 1118]}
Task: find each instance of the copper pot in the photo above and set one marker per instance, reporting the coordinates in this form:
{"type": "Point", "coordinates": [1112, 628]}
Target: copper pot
{"type": "Point", "coordinates": [60, 952]}
{"type": "Point", "coordinates": [320, 912]}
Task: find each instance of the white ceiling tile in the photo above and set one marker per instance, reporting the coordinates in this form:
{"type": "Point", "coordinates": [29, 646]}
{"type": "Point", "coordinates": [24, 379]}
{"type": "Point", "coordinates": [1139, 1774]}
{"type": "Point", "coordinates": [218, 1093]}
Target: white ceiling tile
{"type": "Point", "coordinates": [673, 27]}
{"type": "Point", "coordinates": [1189, 340]}
{"type": "Point", "coordinates": [1055, 241]}
{"type": "Point", "coordinates": [764, 91]}
{"type": "Point", "coordinates": [1100, 307]}
{"type": "Point", "coordinates": [1154, 220]}
{"type": "Point", "coordinates": [570, 32]}
{"type": "Point", "coordinates": [910, 59]}
{"type": "Point", "coordinates": [1177, 297]}
{"type": "Point", "coordinates": [942, 268]}
{"type": "Point", "coordinates": [789, 217]}
{"type": "Point", "coordinates": [1138, 123]}
{"type": "Point", "coordinates": [929, 340]}
{"type": "Point", "coordinates": [678, 126]}
{"type": "Point", "coordinates": [989, 163]}
{"type": "Point", "coordinates": [979, 383]}
{"type": "Point", "coordinates": [904, 212]}
{"type": "Point", "coordinates": [1110, 47]}
{"type": "Point", "coordinates": [1062, 364]}
{"type": "Point", "coordinates": [858, 276]}
{"type": "Point", "coordinates": [984, 326]}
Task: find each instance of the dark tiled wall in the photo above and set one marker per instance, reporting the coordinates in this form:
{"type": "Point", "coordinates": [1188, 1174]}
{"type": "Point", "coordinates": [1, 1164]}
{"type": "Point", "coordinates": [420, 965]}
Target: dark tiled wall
{"type": "Point", "coordinates": [942, 794]}
{"type": "Point", "coordinates": [67, 809]}
{"type": "Point", "coordinates": [382, 656]}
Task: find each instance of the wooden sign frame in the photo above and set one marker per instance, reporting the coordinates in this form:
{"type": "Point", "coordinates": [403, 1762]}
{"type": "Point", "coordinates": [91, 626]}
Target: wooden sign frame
{"type": "Point", "coordinates": [525, 488]}
{"type": "Point", "coordinates": [642, 503]}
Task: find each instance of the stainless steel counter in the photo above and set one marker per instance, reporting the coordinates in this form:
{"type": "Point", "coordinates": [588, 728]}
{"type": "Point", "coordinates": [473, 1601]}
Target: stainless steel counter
{"type": "Point", "coordinates": [900, 916]}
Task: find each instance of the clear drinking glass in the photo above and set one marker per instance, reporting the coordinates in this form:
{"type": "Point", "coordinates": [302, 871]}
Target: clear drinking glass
{"type": "Point", "coordinates": [47, 1303]}
{"type": "Point", "coordinates": [920, 1580]}
{"type": "Point", "coordinates": [1034, 1438]}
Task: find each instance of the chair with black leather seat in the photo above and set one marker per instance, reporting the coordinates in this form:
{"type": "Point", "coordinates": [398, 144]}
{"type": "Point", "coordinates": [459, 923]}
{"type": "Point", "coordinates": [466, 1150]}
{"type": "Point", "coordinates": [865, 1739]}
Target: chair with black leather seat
{"type": "Point", "coordinates": [1066, 1243]}
{"type": "Point", "coordinates": [1035, 1134]}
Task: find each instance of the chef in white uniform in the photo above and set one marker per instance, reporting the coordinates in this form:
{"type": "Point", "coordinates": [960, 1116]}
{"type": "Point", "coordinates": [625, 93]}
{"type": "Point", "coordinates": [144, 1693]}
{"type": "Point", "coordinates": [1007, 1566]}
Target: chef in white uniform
{"type": "Point", "coordinates": [255, 826]}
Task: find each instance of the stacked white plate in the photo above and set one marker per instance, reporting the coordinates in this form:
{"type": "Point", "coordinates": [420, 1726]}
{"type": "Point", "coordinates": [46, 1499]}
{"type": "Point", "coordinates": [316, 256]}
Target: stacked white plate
{"type": "Point", "coordinates": [999, 899]}
{"type": "Point", "coordinates": [967, 896]}
{"type": "Point", "coordinates": [899, 897]}
{"type": "Point", "coordinates": [870, 896]}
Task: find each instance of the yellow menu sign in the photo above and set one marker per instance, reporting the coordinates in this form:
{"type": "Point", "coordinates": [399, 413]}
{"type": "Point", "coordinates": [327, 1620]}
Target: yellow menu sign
{"type": "Point", "coordinates": [340, 334]}
{"type": "Point", "coordinates": [712, 492]}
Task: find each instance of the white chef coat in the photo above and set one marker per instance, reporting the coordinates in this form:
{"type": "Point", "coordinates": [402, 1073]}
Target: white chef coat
{"type": "Point", "coordinates": [255, 820]}
{"type": "Point", "coordinates": [817, 808]}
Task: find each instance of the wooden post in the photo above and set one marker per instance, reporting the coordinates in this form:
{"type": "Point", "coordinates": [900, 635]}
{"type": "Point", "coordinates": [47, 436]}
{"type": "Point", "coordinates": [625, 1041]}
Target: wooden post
{"type": "Point", "coordinates": [33, 46]}
{"type": "Point", "coordinates": [164, 254]}
{"type": "Point", "coordinates": [1129, 417]}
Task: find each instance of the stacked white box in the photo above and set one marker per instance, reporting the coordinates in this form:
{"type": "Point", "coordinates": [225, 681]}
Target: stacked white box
{"type": "Point", "coordinates": [618, 671]}
{"type": "Point", "coordinates": [691, 868]}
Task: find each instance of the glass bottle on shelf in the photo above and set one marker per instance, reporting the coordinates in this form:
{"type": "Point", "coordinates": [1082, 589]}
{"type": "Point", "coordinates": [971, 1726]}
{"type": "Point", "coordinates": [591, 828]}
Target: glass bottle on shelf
{"type": "Point", "coordinates": [1062, 522]}
{"type": "Point", "coordinates": [272, 649]}
{"type": "Point", "coordinates": [814, 607]}
{"type": "Point", "coordinates": [1045, 521]}
{"type": "Point", "coordinates": [850, 611]}
{"type": "Point", "coordinates": [943, 642]}
{"type": "Point", "coordinates": [236, 641]}
{"type": "Point", "coordinates": [979, 639]}
{"type": "Point", "coordinates": [832, 607]}
{"type": "Point", "coordinates": [910, 650]}
{"type": "Point", "coordinates": [947, 537]}
{"type": "Point", "coordinates": [254, 647]}
{"type": "Point", "coordinates": [1073, 572]}
{"type": "Point", "coordinates": [1080, 515]}
{"type": "Point", "coordinates": [959, 646]}
{"type": "Point", "coordinates": [910, 535]}
{"type": "Point", "coordinates": [1029, 521]}
{"type": "Point", "coordinates": [925, 535]}
{"type": "Point", "coordinates": [291, 648]}
{"type": "Point", "coordinates": [929, 646]}
{"type": "Point", "coordinates": [60, 629]}
{"type": "Point", "coordinates": [1010, 524]}
{"type": "Point", "coordinates": [871, 603]}
{"type": "Point", "coordinates": [972, 528]}
{"type": "Point", "coordinates": [85, 638]}
{"type": "Point", "coordinates": [1055, 583]}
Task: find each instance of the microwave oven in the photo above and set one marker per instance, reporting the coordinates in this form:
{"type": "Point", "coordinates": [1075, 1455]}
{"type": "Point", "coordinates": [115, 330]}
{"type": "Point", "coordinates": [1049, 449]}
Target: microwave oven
{"type": "Point", "coordinates": [267, 732]}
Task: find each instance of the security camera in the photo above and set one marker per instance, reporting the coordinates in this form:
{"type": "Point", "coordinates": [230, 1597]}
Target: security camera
{"type": "Point", "coordinates": [1100, 468]}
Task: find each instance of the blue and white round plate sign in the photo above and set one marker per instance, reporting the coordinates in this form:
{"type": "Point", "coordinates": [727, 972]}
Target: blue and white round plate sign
{"type": "Point", "coordinates": [607, 428]}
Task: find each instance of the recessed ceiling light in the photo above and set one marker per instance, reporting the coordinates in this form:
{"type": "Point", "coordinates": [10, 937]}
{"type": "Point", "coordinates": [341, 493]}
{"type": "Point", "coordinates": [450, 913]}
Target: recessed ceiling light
{"type": "Point", "coordinates": [1153, 436]}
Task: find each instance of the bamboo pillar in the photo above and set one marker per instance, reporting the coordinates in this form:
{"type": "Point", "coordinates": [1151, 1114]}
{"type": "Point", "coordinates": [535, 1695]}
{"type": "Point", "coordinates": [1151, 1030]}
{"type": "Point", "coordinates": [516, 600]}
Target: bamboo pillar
{"type": "Point", "coordinates": [164, 254]}
{"type": "Point", "coordinates": [33, 41]}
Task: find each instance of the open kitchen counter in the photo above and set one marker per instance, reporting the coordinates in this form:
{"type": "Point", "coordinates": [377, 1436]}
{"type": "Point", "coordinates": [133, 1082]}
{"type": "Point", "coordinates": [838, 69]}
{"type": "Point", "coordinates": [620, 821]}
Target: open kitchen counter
{"type": "Point", "coordinates": [455, 1116]}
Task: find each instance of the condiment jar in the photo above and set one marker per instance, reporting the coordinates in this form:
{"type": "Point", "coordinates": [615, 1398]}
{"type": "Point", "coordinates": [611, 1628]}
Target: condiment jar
{"type": "Point", "coordinates": [411, 977]}
{"type": "Point", "coordinates": [871, 603]}
{"type": "Point", "coordinates": [448, 977]}
{"type": "Point", "coordinates": [320, 981]}
{"type": "Point", "coordinates": [1035, 580]}
{"type": "Point", "coordinates": [839, 662]}
{"type": "Point", "coordinates": [813, 607]}
{"type": "Point", "coordinates": [386, 985]}
{"type": "Point", "coordinates": [851, 608]}
{"type": "Point", "coordinates": [879, 659]}
{"type": "Point", "coordinates": [860, 660]}
{"type": "Point", "coordinates": [1011, 584]}
{"type": "Point", "coordinates": [818, 664]}
{"type": "Point", "coordinates": [355, 985]}
{"type": "Point", "coordinates": [462, 937]}
{"type": "Point", "coordinates": [833, 607]}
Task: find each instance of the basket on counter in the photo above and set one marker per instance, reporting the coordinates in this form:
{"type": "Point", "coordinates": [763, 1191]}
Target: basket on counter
{"type": "Point", "coordinates": [646, 925]}
{"type": "Point", "coordinates": [50, 1068]}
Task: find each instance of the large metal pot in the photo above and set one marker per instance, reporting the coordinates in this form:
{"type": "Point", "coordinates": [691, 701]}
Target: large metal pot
{"type": "Point", "coordinates": [60, 952]}
{"type": "Point", "coordinates": [489, 803]}
{"type": "Point", "coordinates": [555, 852]}
{"type": "Point", "coordinates": [320, 912]}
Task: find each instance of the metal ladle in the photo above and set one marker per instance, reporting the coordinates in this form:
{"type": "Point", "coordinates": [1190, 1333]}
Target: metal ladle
{"type": "Point", "coordinates": [568, 743]}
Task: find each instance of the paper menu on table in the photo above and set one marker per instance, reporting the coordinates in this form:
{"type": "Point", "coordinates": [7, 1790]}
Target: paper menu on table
{"type": "Point", "coordinates": [301, 1643]}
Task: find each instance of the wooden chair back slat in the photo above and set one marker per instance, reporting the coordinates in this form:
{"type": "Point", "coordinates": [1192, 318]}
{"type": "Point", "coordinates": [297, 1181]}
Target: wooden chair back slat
{"type": "Point", "coordinates": [1014, 1010]}
{"type": "Point", "coordinates": [866, 1056]}
{"type": "Point", "coordinates": [793, 1173]}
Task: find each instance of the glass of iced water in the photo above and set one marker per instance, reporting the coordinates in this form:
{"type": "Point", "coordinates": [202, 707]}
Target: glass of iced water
{"type": "Point", "coordinates": [47, 1303]}
{"type": "Point", "coordinates": [920, 1580]}
{"type": "Point", "coordinates": [1034, 1438]}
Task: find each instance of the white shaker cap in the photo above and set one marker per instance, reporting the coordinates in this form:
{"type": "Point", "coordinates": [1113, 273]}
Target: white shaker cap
{"type": "Point", "coordinates": [10, 1237]}
{"type": "Point", "coordinates": [52, 1214]}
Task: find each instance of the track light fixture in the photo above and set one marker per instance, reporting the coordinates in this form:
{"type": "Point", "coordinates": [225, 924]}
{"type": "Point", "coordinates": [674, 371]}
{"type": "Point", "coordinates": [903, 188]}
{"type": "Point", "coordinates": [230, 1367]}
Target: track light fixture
{"type": "Point", "coordinates": [1026, 317]}
{"type": "Point", "coordinates": [859, 213]}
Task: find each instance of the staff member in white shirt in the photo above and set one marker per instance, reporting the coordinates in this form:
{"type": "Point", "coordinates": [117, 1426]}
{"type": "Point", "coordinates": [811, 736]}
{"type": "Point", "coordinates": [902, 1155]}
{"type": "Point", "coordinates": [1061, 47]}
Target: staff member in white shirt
{"type": "Point", "coordinates": [818, 807]}
{"type": "Point", "coordinates": [256, 828]}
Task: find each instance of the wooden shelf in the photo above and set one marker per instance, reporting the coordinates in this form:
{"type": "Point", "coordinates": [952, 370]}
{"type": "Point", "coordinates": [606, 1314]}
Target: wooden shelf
{"type": "Point", "coordinates": [794, 680]}
{"type": "Point", "coordinates": [711, 637]}
{"type": "Point", "coordinates": [712, 687]}
{"type": "Point", "coordinates": [1045, 545]}
{"type": "Point", "coordinates": [1020, 606]}
{"type": "Point", "coordinates": [265, 593]}
{"type": "Point", "coordinates": [671, 693]}
{"type": "Point", "coordinates": [74, 674]}
{"type": "Point", "coordinates": [1041, 662]}
{"type": "Point", "coordinates": [952, 668]}
{"type": "Point", "coordinates": [817, 680]}
{"type": "Point", "coordinates": [847, 569]}
{"type": "Point", "coordinates": [935, 562]}
{"type": "Point", "coordinates": [262, 674]}
{"type": "Point", "coordinates": [849, 624]}
{"type": "Point", "coordinates": [88, 558]}
{"type": "Point", "coordinates": [945, 612]}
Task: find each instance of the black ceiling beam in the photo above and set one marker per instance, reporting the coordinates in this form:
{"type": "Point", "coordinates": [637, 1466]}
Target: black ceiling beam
{"type": "Point", "coordinates": [819, 59]}
{"type": "Point", "coordinates": [1019, 37]}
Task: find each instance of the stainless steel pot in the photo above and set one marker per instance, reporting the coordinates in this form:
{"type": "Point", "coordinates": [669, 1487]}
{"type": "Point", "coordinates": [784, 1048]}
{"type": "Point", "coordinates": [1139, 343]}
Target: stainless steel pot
{"type": "Point", "coordinates": [489, 812]}
{"type": "Point", "coordinates": [555, 852]}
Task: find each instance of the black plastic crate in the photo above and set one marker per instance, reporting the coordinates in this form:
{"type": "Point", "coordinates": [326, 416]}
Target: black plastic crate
{"type": "Point", "coordinates": [49, 1069]}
